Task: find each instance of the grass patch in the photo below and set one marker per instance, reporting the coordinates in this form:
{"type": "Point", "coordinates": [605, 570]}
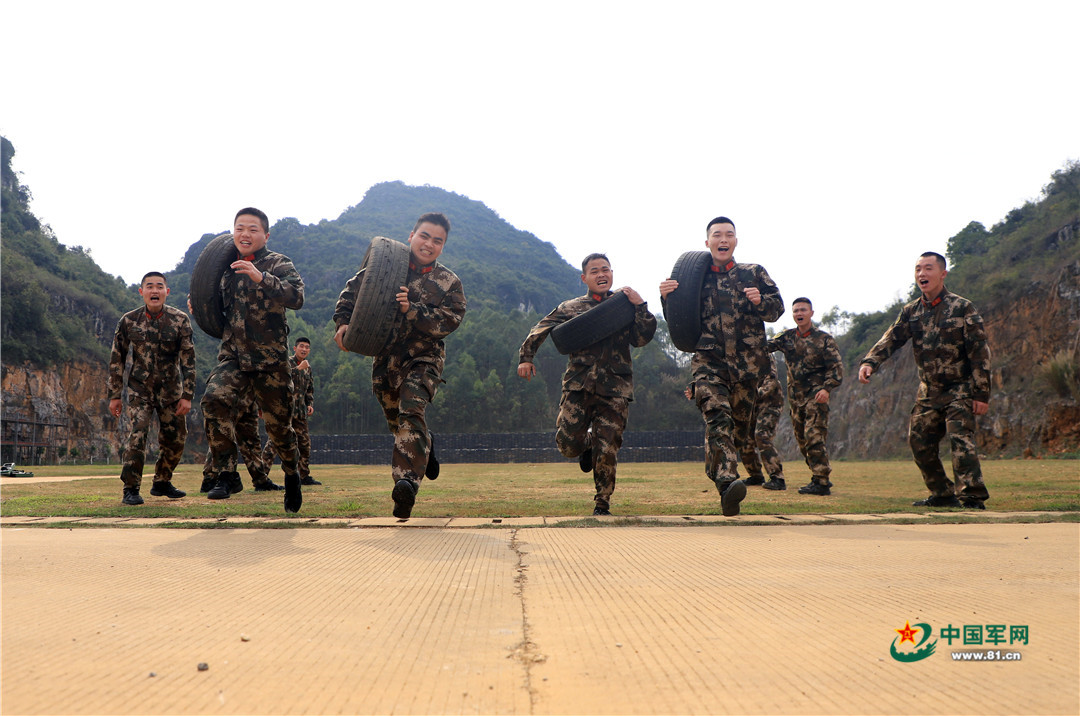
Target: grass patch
{"type": "Point", "coordinates": [550, 489]}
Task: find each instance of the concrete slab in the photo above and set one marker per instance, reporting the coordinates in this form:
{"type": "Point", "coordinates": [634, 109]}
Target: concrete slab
{"type": "Point", "coordinates": [622, 619]}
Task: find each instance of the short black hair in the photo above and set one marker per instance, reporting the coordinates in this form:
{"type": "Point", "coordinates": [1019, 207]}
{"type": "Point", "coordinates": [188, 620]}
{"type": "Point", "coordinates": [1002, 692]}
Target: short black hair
{"type": "Point", "coordinates": [594, 257]}
{"type": "Point", "coordinates": [434, 217]}
{"type": "Point", "coordinates": [719, 220]}
{"type": "Point", "coordinates": [935, 254]}
{"type": "Point", "coordinates": [302, 339]}
{"type": "Point", "coordinates": [803, 299]}
{"type": "Point", "coordinates": [252, 211]}
{"type": "Point", "coordinates": [148, 274]}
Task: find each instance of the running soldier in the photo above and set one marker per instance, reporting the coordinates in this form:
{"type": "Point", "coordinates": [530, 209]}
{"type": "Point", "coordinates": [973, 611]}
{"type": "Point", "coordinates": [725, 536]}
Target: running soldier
{"type": "Point", "coordinates": [254, 354]}
{"type": "Point", "coordinates": [730, 360]}
{"type": "Point", "coordinates": [161, 380]}
{"type": "Point", "coordinates": [303, 407]}
{"type": "Point", "coordinates": [761, 453]}
{"type": "Point", "coordinates": [245, 425]}
{"type": "Point", "coordinates": [953, 359]}
{"type": "Point", "coordinates": [406, 376]}
{"type": "Point", "coordinates": [814, 370]}
{"type": "Point", "coordinates": [598, 384]}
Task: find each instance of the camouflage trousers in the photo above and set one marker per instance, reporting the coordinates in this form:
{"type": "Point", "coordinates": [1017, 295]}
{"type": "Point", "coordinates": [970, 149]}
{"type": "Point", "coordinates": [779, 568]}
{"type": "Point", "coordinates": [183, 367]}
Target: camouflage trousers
{"type": "Point", "coordinates": [225, 391]}
{"type": "Point", "coordinates": [762, 453]}
{"type": "Point", "coordinates": [172, 434]}
{"type": "Point", "coordinates": [810, 422]}
{"type": "Point", "coordinates": [597, 421]}
{"type": "Point", "coordinates": [303, 445]}
{"type": "Point", "coordinates": [929, 425]}
{"type": "Point", "coordinates": [245, 426]}
{"type": "Point", "coordinates": [728, 410]}
{"type": "Point", "coordinates": [404, 391]}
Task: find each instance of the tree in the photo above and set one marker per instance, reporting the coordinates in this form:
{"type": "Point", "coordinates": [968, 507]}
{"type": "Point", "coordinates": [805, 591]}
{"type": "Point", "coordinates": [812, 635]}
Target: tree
{"type": "Point", "coordinates": [972, 240]}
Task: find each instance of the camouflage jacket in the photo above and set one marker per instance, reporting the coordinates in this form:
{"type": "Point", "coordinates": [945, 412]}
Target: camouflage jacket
{"type": "Point", "coordinates": [303, 390]}
{"type": "Point", "coordinates": [813, 362]}
{"type": "Point", "coordinates": [436, 308]}
{"type": "Point", "coordinates": [162, 355]}
{"type": "Point", "coordinates": [256, 334]}
{"type": "Point", "coordinates": [604, 368]}
{"type": "Point", "coordinates": [769, 394]}
{"type": "Point", "coordinates": [951, 350]}
{"type": "Point", "coordinates": [732, 328]}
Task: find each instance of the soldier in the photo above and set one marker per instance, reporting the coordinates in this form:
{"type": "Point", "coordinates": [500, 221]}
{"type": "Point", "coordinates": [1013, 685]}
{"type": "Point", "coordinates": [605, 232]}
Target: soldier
{"type": "Point", "coordinates": [953, 360]}
{"type": "Point", "coordinates": [254, 354]}
{"type": "Point", "coordinates": [761, 452]}
{"type": "Point", "coordinates": [815, 369]}
{"type": "Point", "coordinates": [245, 425]}
{"type": "Point", "coordinates": [730, 358]}
{"type": "Point", "coordinates": [598, 384]}
{"type": "Point", "coordinates": [406, 375]}
{"type": "Point", "coordinates": [303, 407]}
{"type": "Point", "coordinates": [162, 380]}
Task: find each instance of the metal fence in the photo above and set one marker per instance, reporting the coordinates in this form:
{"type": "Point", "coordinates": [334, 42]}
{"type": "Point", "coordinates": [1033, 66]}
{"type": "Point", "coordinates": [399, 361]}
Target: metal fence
{"type": "Point", "coordinates": [642, 446]}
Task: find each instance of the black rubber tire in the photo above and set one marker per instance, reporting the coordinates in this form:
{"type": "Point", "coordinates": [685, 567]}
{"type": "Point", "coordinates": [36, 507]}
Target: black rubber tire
{"type": "Point", "coordinates": [386, 268]}
{"type": "Point", "coordinates": [593, 326]}
{"type": "Point", "coordinates": [207, 307]}
{"type": "Point", "coordinates": [682, 308]}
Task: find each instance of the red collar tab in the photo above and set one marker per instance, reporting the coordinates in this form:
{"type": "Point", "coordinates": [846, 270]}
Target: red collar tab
{"type": "Point", "coordinates": [804, 335]}
{"type": "Point", "coordinates": [717, 269]}
{"type": "Point", "coordinates": [597, 297]}
{"type": "Point", "coordinates": [151, 316]}
{"type": "Point", "coordinates": [936, 301]}
{"type": "Point", "coordinates": [421, 269]}
{"type": "Point", "coordinates": [248, 258]}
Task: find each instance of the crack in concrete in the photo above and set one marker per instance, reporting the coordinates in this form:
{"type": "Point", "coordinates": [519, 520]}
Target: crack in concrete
{"type": "Point", "coordinates": [526, 651]}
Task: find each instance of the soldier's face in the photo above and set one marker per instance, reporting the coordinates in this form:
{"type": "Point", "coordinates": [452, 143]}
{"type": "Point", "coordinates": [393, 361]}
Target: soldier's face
{"type": "Point", "coordinates": [930, 276]}
{"type": "Point", "coordinates": [248, 234]}
{"type": "Point", "coordinates": [426, 242]}
{"type": "Point", "coordinates": [721, 242]}
{"type": "Point", "coordinates": [153, 292]}
{"type": "Point", "coordinates": [802, 313]}
{"type": "Point", "coordinates": [598, 276]}
{"type": "Point", "coordinates": [302, 350]}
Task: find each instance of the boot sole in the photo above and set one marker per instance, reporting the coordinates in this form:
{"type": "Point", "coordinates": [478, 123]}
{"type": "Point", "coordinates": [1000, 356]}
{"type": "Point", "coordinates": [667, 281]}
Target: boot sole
{"type": "Point", "coordinates": [404, 498]}
{"type": "Point", "coordinates": [733, 495]}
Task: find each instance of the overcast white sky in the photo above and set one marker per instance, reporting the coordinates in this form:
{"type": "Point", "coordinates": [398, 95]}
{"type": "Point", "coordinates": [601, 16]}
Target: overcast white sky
{"type": "Point", "coordinates": [843, 138]}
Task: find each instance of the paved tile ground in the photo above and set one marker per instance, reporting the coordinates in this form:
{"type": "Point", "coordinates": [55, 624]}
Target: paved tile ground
{"type": "Point", "coordinates": [622, 619]}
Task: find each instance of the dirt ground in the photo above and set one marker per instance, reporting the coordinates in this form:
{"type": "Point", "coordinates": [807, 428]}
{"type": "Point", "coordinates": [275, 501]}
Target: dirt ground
{"type": "Point", "coordinates": [712, 618]}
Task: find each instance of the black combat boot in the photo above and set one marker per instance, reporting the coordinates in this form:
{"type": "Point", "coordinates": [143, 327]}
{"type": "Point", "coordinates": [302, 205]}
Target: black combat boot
{"type": "Point", "coordinates": [132, 496]}
{"type": "Point", "coordinates": [166, 489]}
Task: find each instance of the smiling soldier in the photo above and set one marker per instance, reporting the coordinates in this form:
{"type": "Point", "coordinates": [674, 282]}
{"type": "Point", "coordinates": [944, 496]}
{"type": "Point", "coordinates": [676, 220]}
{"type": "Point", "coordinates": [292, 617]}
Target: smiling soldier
{"type": "Point", "coordinates": [162, 380]}
{"type": "Point", "coordinates": [953, 359]}
{"type": "Point", "coordinates": [598, 384]}
{"type": "Point", "coordinates": [405, 376]}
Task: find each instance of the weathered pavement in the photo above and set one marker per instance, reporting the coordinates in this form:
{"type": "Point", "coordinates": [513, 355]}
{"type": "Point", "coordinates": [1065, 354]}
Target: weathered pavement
{"type": "Point", "coordinates": [620, 619]}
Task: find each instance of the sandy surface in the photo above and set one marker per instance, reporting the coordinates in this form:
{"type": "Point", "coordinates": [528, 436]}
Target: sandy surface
{"type": "Point", "coordinates": [623, 619]}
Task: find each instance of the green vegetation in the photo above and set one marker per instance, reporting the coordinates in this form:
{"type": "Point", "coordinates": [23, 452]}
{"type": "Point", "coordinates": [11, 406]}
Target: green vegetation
{"type": "Point", "coordinates": [530, 490]}
{"type": "Point", "coordinates": [1062, 374]}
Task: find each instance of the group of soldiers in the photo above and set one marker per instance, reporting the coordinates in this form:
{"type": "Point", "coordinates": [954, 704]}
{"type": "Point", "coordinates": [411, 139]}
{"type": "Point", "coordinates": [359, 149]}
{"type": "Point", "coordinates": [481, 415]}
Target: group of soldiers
{"type": "Point", "coordinates": [734, 378]}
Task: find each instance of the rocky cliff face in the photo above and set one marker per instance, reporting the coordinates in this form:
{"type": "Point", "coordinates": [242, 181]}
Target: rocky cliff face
{"type": "Point", "coordinates": [66, 407]}
{"type": "Point", "coordinates": [1026, 416]}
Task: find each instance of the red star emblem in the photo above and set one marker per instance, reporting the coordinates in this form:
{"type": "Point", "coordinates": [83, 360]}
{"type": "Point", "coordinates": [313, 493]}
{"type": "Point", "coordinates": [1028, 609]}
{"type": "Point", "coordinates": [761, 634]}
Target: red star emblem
{"type": "Point", "coordinates": [907, 633]}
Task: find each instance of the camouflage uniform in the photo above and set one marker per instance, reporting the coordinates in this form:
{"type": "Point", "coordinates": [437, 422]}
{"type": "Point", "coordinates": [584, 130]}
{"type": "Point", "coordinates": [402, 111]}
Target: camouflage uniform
{"type": "Point", "coordinates": [245, 426]}
{"type": "Point", "coordinates": [303, 398]}
{"type": "Point", "coordinates": [770, 402]}
{"type": "Point", "coordinates": [730, 361]}
{"type": "Point", "coordinates": [254, 356]}
{"type": "Point", "coordinates": [953, 360]}
{"type": "Point", "coordinates": [814, 363]}
{"type": "Point", "coordinates": [406, 375]}
{"type": "Point", "coordinates": [598, 386]}
{"type": "Point", "coordinates": [162, 373]}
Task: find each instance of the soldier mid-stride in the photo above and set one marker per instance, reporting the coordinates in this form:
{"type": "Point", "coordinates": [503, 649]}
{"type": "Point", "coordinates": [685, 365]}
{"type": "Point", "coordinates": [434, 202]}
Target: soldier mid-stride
{"type": "Point", "coordinates": [953, 360]}
{"type": "Point", "coordinates": [598, 384]}
{"type": "Point", "coordinates": [162, 380]}
{"type": "Point", "coordinates": [760, 456]}
{"type": "Point", "coordinates": [254, 354]}
{"type": "Point", "coordinates": [730, 359]}
{"type": "Point", "coordinates": [406, 375]}
{"type": "Point", "coordinates": [814, 370]}
{"type": "Point", "coordinates": [303, 407]}
{"type": "Point", "coordinates": [245, 427]}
